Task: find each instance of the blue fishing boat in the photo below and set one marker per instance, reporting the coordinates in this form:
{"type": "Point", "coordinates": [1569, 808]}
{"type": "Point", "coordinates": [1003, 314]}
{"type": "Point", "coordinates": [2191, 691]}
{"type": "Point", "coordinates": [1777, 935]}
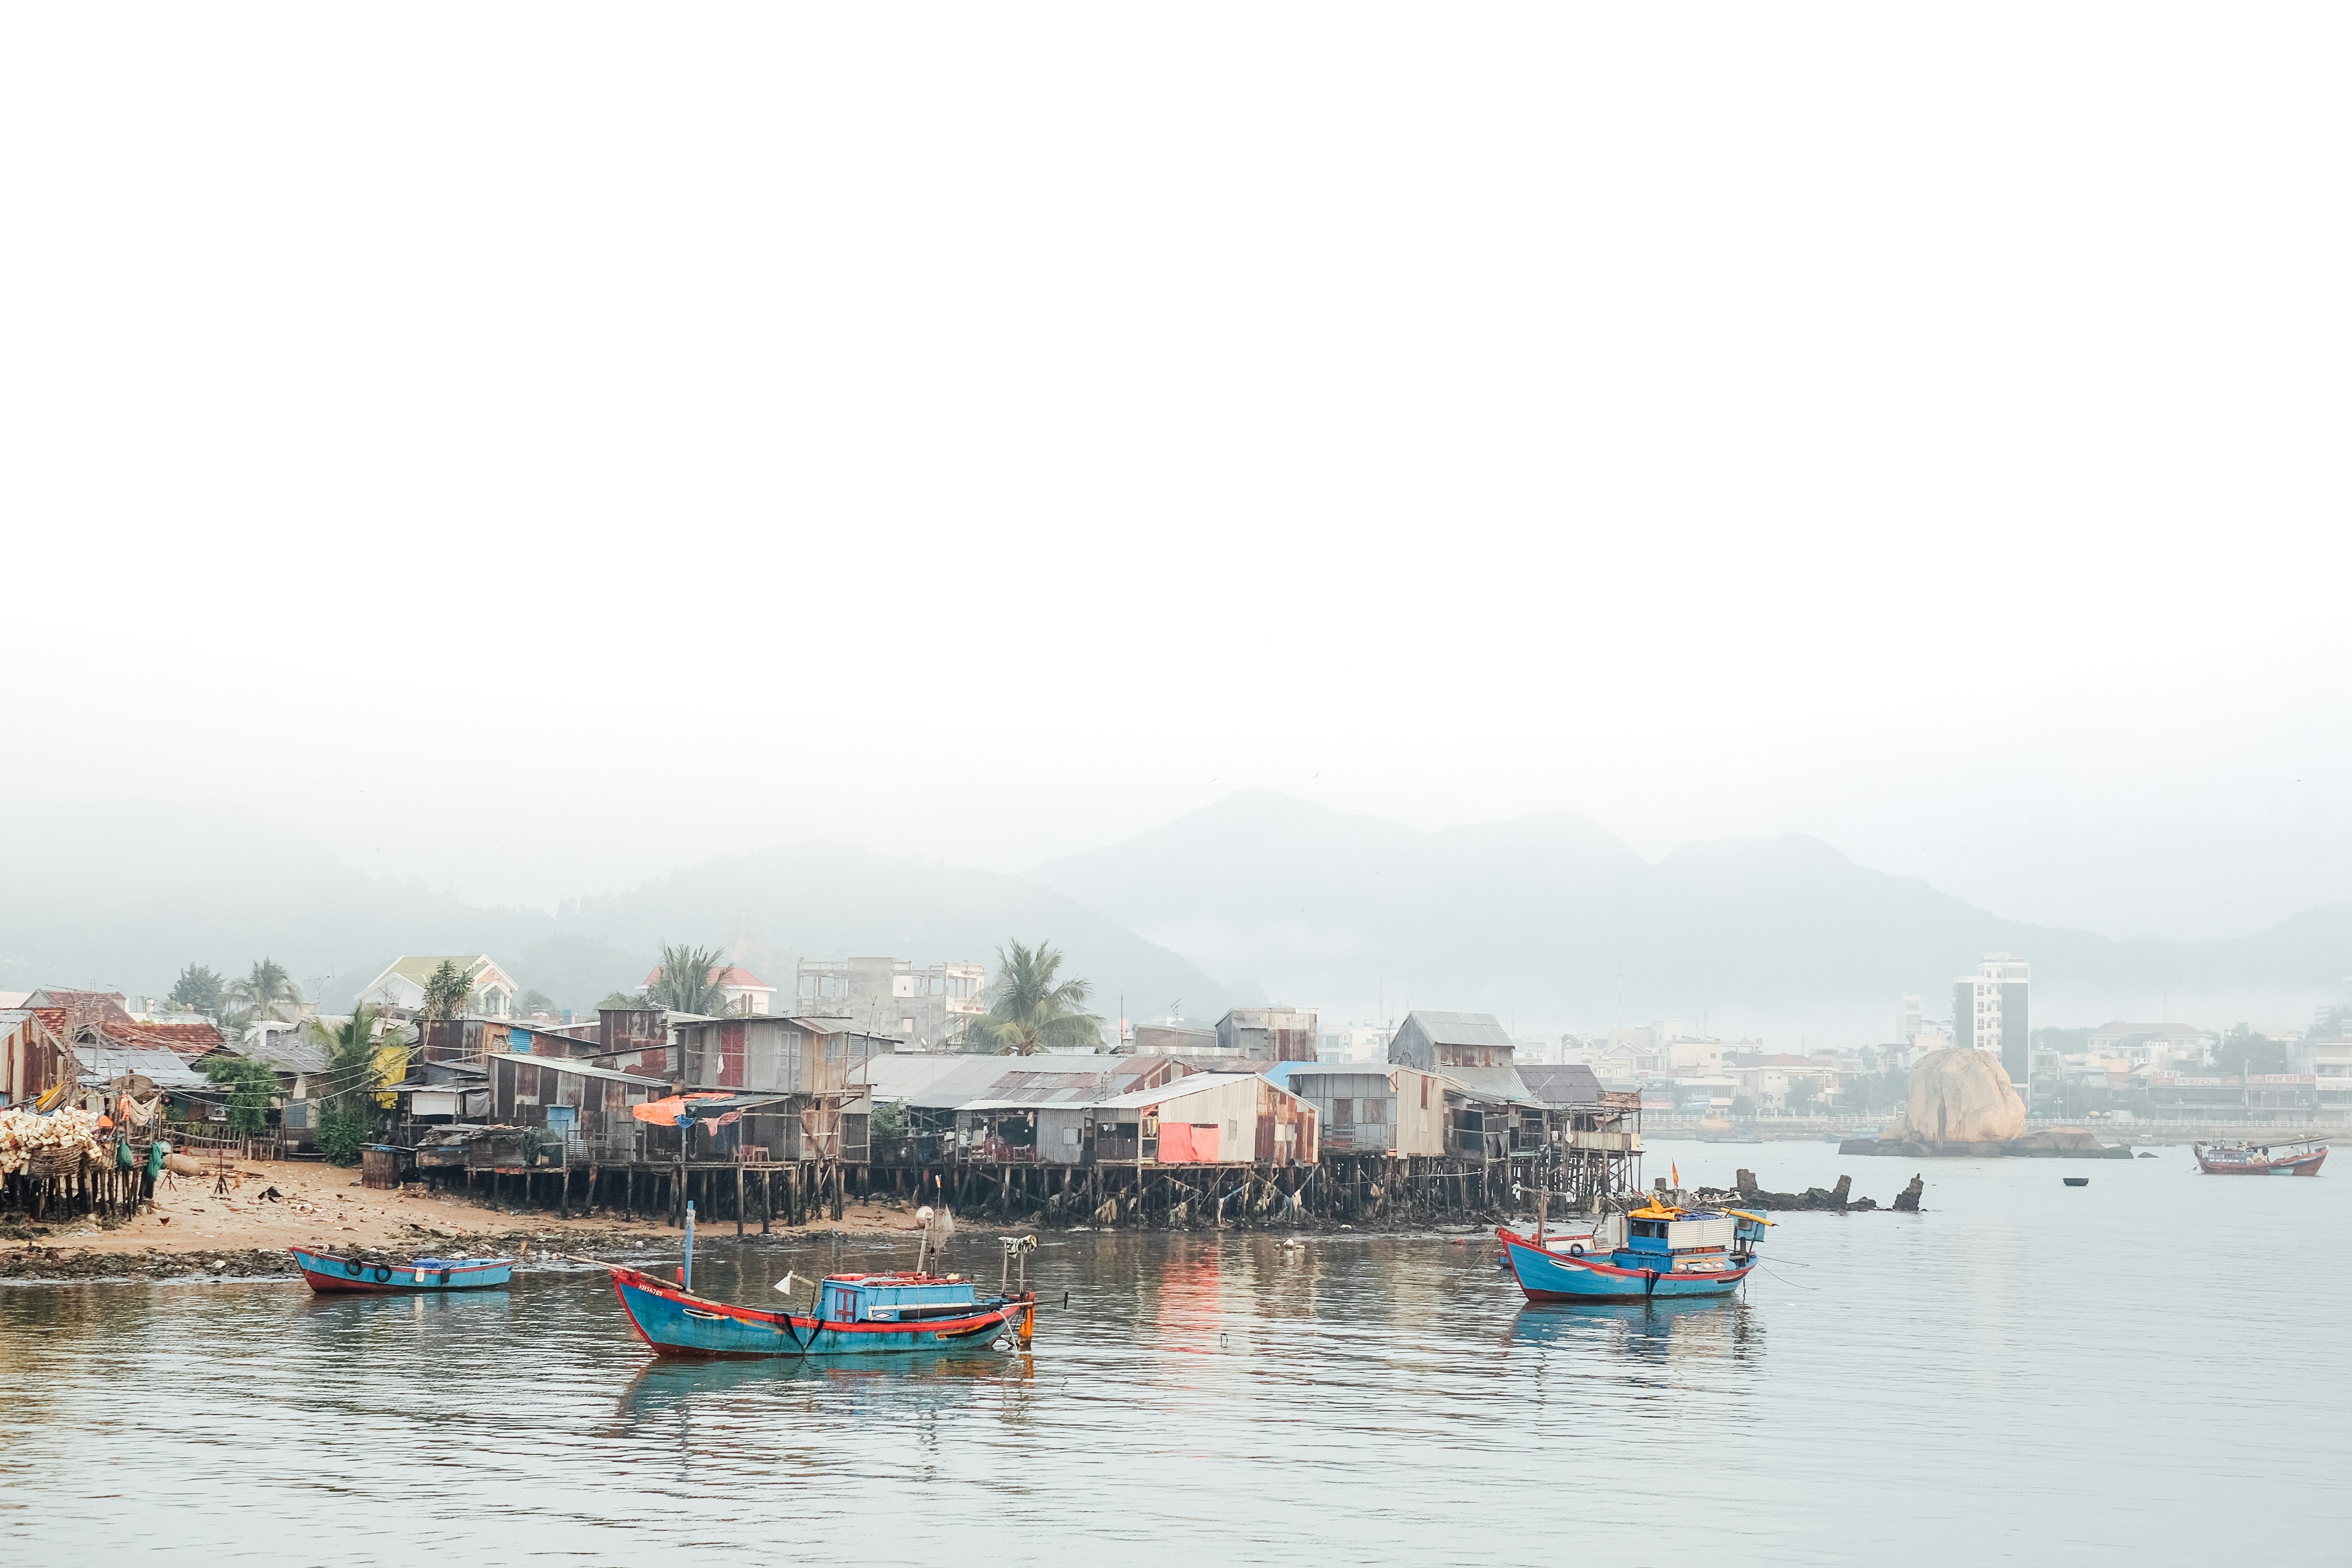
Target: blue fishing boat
{"type": "Point", "coordinates": [853, 1315]}
{"type": "Point", "coordinates": [1667, 1254]}
{"type": "Point", "coordinates": [331, 1271]}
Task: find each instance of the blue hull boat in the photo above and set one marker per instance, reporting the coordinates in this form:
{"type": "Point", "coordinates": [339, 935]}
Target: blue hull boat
{"type": "Point", "coordinates": [1670, 1254]}
{"type": "Point", "coordinates": [329, 1272]}
{"type": "Point", "coordinates": [856, 1314]}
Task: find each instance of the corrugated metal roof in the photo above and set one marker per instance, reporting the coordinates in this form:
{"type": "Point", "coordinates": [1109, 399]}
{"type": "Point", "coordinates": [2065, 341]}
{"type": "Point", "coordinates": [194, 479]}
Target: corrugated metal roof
{"type": "Point", "coordinates": [286, 1052]}
{"type": "Point", "coordinates": [1461, 1029]}
{"type": "Point", "coordinates": [105, 1064]}
{"type": "Point", "coordinates": [1563, 1083]}
{"type": "Point", "coordinates": [950, 1082]}
{"type": "Point", "coordinates": [575, 1065]}
{"type": "Point", "coordinates": [1197, 1083]}
{"type": "Point", "coordinates": [1495, 1082]}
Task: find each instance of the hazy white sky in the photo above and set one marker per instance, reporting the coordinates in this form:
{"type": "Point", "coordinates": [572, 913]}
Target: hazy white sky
{"type": "Point", "coordinates": [535, 447]}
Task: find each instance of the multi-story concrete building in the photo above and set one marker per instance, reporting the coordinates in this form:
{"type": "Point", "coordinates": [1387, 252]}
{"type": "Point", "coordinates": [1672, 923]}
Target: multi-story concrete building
{"type": "Point", "coordinates": [925, 1008]}
{"type": "Point", "coordinates": [1908, 1020]}
{"type": "Point", "coordinates": [1359, 1042]}
{"type": "Point", "coordinates": [1989, 1014]}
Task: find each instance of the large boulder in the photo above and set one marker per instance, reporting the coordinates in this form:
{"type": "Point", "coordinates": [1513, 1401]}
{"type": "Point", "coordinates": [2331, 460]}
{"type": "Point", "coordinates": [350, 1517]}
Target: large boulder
{"type": "Point", "coordinates": [1958, 1096]}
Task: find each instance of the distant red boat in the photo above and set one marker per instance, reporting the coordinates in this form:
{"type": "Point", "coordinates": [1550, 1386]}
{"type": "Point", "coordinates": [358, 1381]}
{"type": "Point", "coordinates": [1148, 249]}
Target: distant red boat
{"type": "Point", "coordinates": [2301, 1157]}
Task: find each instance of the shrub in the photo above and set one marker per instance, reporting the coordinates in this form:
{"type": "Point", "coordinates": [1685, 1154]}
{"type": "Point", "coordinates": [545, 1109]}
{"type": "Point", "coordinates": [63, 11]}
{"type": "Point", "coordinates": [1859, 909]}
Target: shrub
{"type": "Point", "coordinates": [341, 1136]}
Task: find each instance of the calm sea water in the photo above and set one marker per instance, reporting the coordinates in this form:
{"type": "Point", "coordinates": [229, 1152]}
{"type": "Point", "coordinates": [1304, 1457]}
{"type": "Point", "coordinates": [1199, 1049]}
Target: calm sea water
{"type": "Point", "coordinates": [2149, 1369]}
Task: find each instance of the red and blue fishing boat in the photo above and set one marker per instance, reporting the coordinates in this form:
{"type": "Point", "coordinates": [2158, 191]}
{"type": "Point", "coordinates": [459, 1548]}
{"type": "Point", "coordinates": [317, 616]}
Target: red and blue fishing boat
{"type": "Point", "coordinates": [1667, 1253]}
{"type": "Point", "coordinates": [853, 1315]}
{"type": "Point", "coordinates": [2301, 1156]}
{"type": "Point", "coordinates": [332, 1271]}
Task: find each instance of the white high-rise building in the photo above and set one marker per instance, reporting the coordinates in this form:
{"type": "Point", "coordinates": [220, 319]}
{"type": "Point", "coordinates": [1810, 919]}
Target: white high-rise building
{"type": "Point", "coordinates": [1989, 1014]}
{"type": "Point", "coordinates": [1907, 1020]}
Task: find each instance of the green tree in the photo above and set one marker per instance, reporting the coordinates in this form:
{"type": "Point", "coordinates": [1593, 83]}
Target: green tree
{"type": "Point", "coordinates": [251, 1086]}
{"type": "Point", "coordinates": [445, 990]}
{"type": "Point", "coordinates": [264, 992]}
{"type": "Point", "coordinates": [621, 999]}
{"type": "Point", "coordinates": [2243, 1051]}
{"type": "Point", "coordinates": [360, 1067]}
{"type": "Point", "coordinates": [200, 989]}
{"type": "Point", "coordinates": [1027, 1011]}
{"type": "Point", "coordinates": [688, 981]}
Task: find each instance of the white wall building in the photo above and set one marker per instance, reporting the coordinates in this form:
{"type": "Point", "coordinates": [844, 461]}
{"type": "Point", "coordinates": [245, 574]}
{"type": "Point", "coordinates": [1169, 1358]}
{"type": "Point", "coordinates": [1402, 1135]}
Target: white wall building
{"type": "Point", "coordinates": [401, 984]}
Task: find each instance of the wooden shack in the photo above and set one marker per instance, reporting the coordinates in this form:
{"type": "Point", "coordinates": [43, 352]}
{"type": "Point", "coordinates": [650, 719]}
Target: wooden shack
{"type": "Point", "coordinates": [1207, 1118]}
{"type": "Point", "coordinates": [587, 1107]}
{"type": "Point", "coordinates": [1438, 1042]}
{"type": "Point", "coordinates": [1364, 1108]}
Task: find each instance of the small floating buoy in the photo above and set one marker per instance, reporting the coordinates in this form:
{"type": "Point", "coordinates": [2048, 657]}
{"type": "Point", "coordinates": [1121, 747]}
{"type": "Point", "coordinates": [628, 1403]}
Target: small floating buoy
{"type": "Point", "coordinates": [2075, 1181]}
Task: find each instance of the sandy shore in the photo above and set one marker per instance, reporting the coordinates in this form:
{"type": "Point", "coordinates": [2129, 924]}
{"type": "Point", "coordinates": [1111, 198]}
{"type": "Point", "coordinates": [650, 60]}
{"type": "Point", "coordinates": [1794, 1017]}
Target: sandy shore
{"type": "Point", "coordinates": [191, 1228]}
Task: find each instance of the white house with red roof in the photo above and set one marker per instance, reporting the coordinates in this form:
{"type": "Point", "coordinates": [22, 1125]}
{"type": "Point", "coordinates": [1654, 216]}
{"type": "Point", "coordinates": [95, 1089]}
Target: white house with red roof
{"type": "Point", "coordinates": [744, 991]}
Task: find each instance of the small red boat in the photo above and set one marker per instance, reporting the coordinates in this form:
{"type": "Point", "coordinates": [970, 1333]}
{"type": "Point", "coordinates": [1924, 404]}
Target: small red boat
{"type": "Point", "coordinates": [2302, 1156]}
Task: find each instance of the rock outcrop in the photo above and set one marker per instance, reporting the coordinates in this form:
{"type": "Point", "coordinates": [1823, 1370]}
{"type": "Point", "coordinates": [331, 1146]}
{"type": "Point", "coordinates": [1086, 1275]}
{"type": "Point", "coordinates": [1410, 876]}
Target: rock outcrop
{"type": "Point", "coordinates": [1745, 1194]}
{"type": "Point", "coordinates": [1961, 1103]}
{"type": "Point", "coordinates": [1958, 1096]}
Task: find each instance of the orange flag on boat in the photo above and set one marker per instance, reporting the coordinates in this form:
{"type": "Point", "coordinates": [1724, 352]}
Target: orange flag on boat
{"type": "Point", "coordinates": [1677, 1170]}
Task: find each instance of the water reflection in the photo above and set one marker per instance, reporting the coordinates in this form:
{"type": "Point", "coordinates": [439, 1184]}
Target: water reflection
{"type": "Point", "coordinates": [1649, 1332]}
{"type": "Point", "coordinates": [663, 1388]}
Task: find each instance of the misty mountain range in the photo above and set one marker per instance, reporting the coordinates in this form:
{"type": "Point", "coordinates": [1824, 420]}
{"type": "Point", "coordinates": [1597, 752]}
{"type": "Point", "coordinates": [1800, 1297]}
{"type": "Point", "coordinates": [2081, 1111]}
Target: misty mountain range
{"type": "Point", "coordinates": [1546, 920]}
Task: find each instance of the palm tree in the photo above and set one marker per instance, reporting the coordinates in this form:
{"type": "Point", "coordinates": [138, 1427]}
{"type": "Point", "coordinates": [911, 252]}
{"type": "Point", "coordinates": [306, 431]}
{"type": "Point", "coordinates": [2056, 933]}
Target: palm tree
{"type": "Point", "coordinates": [359, 1066]}
{"type": "Point", "coordinates": [1027, 1011]}
{"type": "Point", "coordinates": [259, 995]}
{"type": "Point", "coordinates": [688, 981]}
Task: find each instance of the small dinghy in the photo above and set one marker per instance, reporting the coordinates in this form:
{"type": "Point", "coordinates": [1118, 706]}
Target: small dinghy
{"type": "Point", "coordinates": [327, 1272]}
{"type": "Point", "coordinates": [2075, 1181]}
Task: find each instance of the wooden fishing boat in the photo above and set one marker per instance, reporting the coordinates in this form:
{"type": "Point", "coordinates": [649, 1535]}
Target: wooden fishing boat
{"type": "Point", "coordinates": [853, 1315]}
{"type": "Point", "coordinates": [1667, 1253]}
{"type": "Point", "coordinates": [331, 1271]}
{"type": "Point", "coordinates": [2303, 1156]}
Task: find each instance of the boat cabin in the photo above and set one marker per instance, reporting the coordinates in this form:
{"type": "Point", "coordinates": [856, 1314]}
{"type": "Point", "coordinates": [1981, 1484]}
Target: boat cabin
{"type": "Point", "coordinates": [893, 1298]}
{"type": "Point", "coordinates": [1697, 1241]}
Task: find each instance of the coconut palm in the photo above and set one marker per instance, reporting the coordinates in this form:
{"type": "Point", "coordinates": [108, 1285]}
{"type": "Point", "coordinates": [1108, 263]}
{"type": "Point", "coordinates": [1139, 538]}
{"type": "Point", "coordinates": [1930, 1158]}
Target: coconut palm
{"type": "Point", "coordinates": [360, 1067]}
{"type": "Point", "coordinates": [688, 981]}
{"type": "Point", "coordinates": [1027, 1012]}
{"type": "Point", "coordinates": [262, 992]}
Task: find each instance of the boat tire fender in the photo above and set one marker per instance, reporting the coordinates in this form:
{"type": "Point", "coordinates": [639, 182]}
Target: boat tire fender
{"type": "Point", "coordinates": [380, 1274]}
{"type": "Point", "coordinates": [351, 1268]}
{"type": "Point", "coordinates": [1575, 1248]}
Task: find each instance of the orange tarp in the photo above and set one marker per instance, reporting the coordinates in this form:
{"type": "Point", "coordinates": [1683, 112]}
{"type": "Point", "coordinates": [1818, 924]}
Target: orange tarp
{"type": "Point", "coordinates": [665, 1112]}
